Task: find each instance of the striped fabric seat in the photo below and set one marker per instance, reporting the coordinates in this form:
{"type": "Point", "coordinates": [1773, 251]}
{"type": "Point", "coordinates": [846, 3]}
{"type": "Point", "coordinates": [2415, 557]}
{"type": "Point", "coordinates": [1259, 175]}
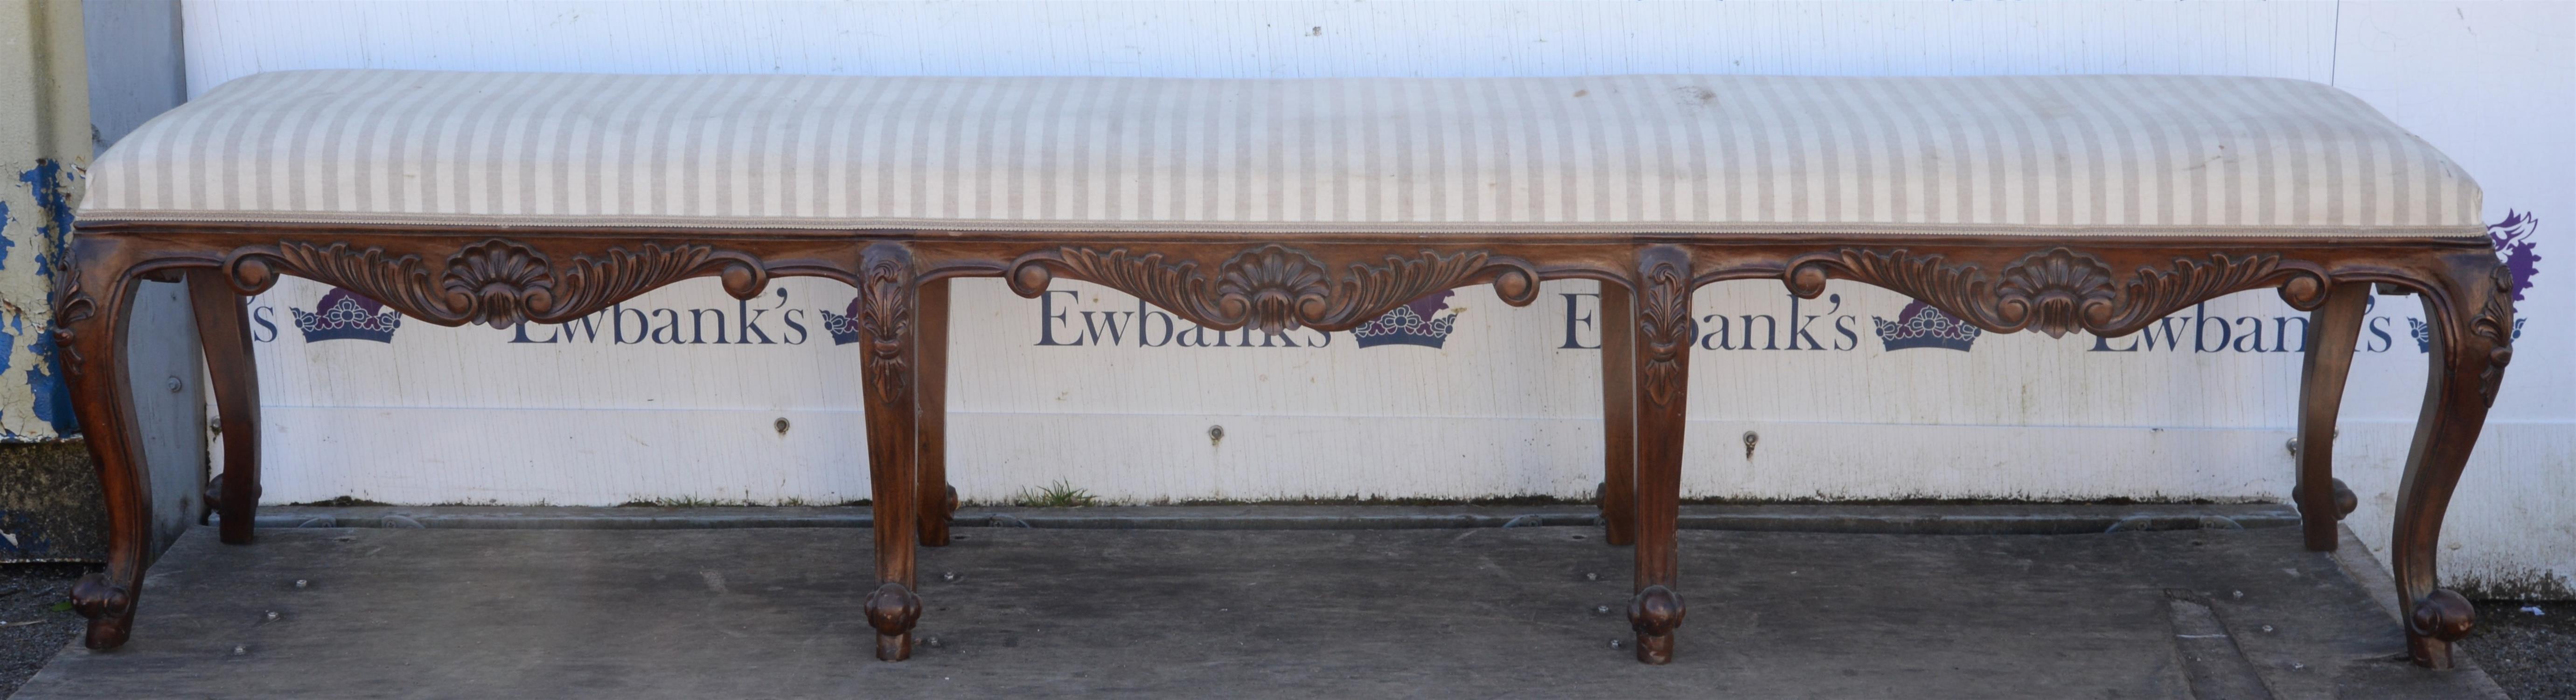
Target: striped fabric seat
{"type": "Point", "coordinates": [2074, 155]}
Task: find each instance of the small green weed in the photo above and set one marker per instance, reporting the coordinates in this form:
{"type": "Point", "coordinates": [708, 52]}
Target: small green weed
{"type": "Point", "coordinates": [1060, 494]}
{"type": "Point", "coordinates": [681, 502]}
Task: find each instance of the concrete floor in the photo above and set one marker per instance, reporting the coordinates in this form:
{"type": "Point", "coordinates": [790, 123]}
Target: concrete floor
{"type": "Point", "coordinates": [1468, 612]}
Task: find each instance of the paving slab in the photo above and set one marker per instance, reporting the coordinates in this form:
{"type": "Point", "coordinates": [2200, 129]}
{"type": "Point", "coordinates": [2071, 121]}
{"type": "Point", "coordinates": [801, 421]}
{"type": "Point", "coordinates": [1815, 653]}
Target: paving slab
{"type": "Point", "coordinates": [1522, 612]}
{"type": "Point", "coordinates": [1979, 519]}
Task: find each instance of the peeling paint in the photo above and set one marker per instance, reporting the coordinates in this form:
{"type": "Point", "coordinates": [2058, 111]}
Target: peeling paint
{"type": "Point", "coordinates": [44, 413]}
{"type": "Point", "coordinates": [9, 339]}
{"type": "Point", "coordinates": [53, 217]}
{"type": "Point", "coordinates": [53, 396]}
{"type": "Point", "coordinates": [53, 202]}
{"type": "Point", "coordinates": [5, 219]}
{"type": "Point", "coordinates": [45, 378]}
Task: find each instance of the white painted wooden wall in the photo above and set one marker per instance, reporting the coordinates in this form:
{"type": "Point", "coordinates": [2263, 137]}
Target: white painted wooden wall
{"type": "Point", "coordinates": [467, 415]}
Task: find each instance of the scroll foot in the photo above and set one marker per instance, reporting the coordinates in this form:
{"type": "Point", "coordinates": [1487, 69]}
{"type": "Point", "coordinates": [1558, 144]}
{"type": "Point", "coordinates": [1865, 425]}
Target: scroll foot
{"type": "Point", "coordinates": [109, 607]}
{"type": "Point", "coordinates": [2439, 619]}
{"type": "Point", "coordinates": [892, 610]}
{"type": "Point", "coordinates": [1655, 613]}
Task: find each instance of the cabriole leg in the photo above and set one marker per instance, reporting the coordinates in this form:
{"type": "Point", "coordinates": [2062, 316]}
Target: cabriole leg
{"type": "Point", "coordinates": [1619, 415]}
{"type": "Point", "coordinates": [2332, 332]}
{"type": "Point", "coordinates": [2471, 312]}
{"type": "Point", "coordinates": [223, 328]}
{"type": "Point", "coordinates": [887, 307]}
{"type": "Point", "coordinates": [91, 311]}
{"type": "Point", "coordinates": [1661, 380]}
{"type": "Point", "coordinates": [938, 499]}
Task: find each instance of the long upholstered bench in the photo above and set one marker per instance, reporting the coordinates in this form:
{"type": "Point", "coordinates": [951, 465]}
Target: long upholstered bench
{"type": "Point", "coordinates": [2090, 204]}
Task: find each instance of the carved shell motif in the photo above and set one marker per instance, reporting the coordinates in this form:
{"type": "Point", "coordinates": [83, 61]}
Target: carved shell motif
{"type": "Point", "coordinates": [1275, 288]}
{"type": "Point", "coordinates": [500, 282]}
{"type": "Point", "coordinates": [1272, 286]}
{"type": "Point", "coordinates": [2055, 291]}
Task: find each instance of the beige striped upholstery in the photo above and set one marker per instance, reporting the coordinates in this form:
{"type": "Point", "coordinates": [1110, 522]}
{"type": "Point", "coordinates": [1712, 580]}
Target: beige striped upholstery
{"type": "Point", "coordinates": [2036, 155]}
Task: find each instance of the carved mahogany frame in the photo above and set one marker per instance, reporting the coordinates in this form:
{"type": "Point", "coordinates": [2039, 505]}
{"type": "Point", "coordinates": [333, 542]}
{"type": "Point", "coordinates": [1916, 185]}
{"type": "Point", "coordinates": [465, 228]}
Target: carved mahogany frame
{"type": "Point", "coordinates": [500, 276]}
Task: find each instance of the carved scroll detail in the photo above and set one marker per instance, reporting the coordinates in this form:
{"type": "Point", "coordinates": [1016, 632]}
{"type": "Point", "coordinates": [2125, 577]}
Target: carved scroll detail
{"type": "Point", "coordinates": [72, 306]}
{"type": "Point", "coordinates": [1275, 288]}
{"type": "Point", "coordinates": [1664, 329]}
{"type": "Point", "coordinates": [2152, 293]}
{"type": "Point", "coordinates": [2444, 614]}
{"type": "Point", "coordinates": [2059, 290]}
{"type": "Point", "coordinates": [2495, 324]}
{"type": "Point", "coordinates": [498, 282]}
{"type": "Point", "coordinates": [95, 597]}
{"type": "Point", "coordinates": [886, 291]}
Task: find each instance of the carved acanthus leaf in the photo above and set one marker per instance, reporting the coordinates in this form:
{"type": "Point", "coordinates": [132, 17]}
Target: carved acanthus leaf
{"type": "Point", "coordinates": [2055, 291]}
{"type": "Point", "coordinates": [2494, 324]}
{"type": "Point", "coordinates": [497, 281]}
{"type": "Point", "coordinates": [72, 307]}
{"type": "Point", "coordinates": [1371, 290]}
{"type": "Point", "coordinates": [1664, 330]}
{"type": "Point", "coordinates": [885, 314]}
{"type": "Point", "coordinates": [1275, 288]}
{"type": "Point", "coordinates": [2154, 292]}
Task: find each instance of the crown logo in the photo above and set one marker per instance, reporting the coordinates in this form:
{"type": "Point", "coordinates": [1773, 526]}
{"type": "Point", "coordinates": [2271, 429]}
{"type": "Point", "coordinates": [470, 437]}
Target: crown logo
{"type": "Point", "coordinates": [2514, 247]}
{"type": "Point", "coordinates": [1921, 326]}
{"type": "Point", "coordinates": [344, 315]}
{"type": "Point", "coordinates": [843, 326]}
{"type": "Point", "coordinates": [1417, 323]}
{"type": "Point", "coordinates": [2423, 332]}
